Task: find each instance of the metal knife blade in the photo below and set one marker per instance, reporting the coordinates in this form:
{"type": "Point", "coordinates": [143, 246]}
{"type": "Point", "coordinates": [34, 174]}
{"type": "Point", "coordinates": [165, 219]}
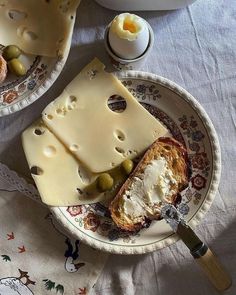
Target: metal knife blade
{"type": "Point", "coordinates": [176, 221]}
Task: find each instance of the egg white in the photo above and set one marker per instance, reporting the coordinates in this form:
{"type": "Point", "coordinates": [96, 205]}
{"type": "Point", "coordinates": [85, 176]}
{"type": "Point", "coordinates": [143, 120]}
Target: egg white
{"type": "Point", "coordinates": [125, 44]}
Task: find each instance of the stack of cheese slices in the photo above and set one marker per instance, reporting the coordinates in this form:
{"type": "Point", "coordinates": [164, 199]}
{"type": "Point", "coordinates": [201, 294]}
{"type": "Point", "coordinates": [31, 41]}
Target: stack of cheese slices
{"type": "Point", "coordinates": [79, 137]}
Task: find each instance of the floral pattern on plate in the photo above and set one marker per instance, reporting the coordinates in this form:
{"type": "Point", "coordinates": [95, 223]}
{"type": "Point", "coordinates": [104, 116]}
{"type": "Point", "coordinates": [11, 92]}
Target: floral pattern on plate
{"type": "Point", "coordinates": [18, 92]}
{"type": "Point", "coordinates": [20, 87]}
{"type": "Point", "coordinates": [92, 217]}
{"type": "Point", "coordinates": [185, 121]}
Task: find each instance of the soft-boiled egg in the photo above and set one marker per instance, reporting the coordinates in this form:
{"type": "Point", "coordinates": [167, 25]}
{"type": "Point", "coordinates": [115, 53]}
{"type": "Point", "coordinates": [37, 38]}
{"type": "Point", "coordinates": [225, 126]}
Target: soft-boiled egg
{"type": "Point", "coordinates": [128, 36]}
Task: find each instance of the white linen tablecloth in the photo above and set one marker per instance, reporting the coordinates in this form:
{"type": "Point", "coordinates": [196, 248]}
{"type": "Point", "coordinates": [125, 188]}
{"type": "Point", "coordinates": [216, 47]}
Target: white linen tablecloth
{"type": "Point", "coordinates": [196, 48]}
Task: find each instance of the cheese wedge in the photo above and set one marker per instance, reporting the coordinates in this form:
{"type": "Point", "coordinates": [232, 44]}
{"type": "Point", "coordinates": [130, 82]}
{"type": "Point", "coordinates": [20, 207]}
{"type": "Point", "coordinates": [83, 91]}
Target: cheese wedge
{"type": "Point", "coordinates": [38, 27]}
{"type": "Point", "coordinates": [97, 136]}
{"type": "Point", "coordinates": [59, 177]}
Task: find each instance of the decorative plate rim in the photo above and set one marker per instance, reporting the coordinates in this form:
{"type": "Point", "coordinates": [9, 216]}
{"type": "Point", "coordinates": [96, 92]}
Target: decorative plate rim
{"type": "Point", "coordinates": [216, 172]}
{"type": "Point", "coordinates": [23, 103]}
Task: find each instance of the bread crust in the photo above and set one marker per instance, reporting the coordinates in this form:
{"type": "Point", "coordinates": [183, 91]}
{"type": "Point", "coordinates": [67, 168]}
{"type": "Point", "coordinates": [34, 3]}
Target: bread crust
{"type": "Point", "coordinates": [176, 157]}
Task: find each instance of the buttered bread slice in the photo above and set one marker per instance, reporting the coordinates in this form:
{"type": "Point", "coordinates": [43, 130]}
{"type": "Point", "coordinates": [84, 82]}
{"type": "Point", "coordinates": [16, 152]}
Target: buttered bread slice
{"type": "Point", "coordinates": [97, 136]}
{"type": "Point", "coordinates": [161, 174]}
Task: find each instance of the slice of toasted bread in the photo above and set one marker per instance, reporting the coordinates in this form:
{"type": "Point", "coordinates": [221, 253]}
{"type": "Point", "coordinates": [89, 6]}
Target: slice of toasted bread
{"type": "Point", "coordinates": [161, 174]}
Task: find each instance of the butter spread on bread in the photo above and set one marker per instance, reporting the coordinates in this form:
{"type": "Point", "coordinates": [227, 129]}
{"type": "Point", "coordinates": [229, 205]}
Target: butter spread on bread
{"type": "Point", "coordinates": [159, 177]}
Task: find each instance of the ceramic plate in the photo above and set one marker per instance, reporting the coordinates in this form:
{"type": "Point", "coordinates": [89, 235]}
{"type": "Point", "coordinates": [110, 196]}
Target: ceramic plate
{"type": "Point", "coordinates": [188, 123]}
{"type": "Point", "coordinates": [18, 93]}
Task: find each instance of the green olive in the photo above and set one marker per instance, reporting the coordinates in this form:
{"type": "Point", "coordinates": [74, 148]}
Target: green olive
{"type": "Point", "coordinates": [104, 182]}
{"type": "Point", "coordinates": [127, 166]}
{"type": "Point", "coordinates": [16, 67]}
{"type": "Point", "coordinates": [11, 52]}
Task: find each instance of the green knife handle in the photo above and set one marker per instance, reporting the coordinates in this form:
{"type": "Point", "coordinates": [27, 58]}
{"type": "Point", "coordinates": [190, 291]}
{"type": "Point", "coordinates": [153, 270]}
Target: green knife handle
{"type": "Point", "coordinates": [212, 268]}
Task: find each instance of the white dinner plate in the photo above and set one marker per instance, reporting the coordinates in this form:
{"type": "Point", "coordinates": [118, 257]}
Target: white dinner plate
{"type": "Point", "coordinates": [188, 123]}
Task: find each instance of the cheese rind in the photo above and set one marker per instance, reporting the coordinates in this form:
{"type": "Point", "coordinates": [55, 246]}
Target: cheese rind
{"type": "Point", "coordinates": [80, 117]}
{"type": "Point", "coordinates": [61, 178]}
{"type": "Point", "coordinates": [37, 26]}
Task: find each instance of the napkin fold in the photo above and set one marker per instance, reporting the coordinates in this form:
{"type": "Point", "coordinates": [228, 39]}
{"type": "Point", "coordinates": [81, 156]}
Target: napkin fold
{"type": "Point", "coordinates": [37, 256]}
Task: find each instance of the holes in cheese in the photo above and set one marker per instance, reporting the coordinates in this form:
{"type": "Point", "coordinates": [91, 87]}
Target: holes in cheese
{"type": "Point", "coordinates": [84, 174]}
{"type": "Point", "coordinates": [114, 98]}
{"type": "Point", "coordinates": [92, 126]}
{"type": "Point", "coordinates": [28, 24]}
{"type": "Point", "coordinates": [72, 99]}
{"type": "Point", "coordinates": [64, 6]}
{"type": "Point", "coordinates": [60, 41]}
{"type": "Point", "coordinates": [60, 112]}
{"type": "Point", "coordinates": [58, 176]}
{"type": "Point", "coordinates": [38, 131]}
{"type": "Point", "coordinates": [29, 35]}
{"type": "Point", "coordinates": [72, 102]}
{"type": "Point", "coordinates": [49, 117]}
{"type": "Point", "coordinates": [74, 147]}
{"type": "Point", "coordinates": [49, 151]}
{"type": "Point", "coordinates": [35, 170]}
{"type": "Point", "coordinates": [119, 135]}
{"type": "Point", "coordinates": [16, 15]}
{"type": "Point", "coordinates": [79, 190]}
{"type": "Point", "coordinates": [120, 150]}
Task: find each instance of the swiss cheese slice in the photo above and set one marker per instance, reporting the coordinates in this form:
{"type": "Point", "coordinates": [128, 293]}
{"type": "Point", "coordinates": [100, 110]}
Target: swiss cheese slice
{"type": "Point", "coordinates": [38, 27]}
{"type": "Point", "coordinates": [96, 135]}
{"type": "Point", "coordinates": [59, 177]}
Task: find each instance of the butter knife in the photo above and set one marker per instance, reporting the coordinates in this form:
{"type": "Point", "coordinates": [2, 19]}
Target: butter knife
{"type": "Point", "coordinates": [199, 250]}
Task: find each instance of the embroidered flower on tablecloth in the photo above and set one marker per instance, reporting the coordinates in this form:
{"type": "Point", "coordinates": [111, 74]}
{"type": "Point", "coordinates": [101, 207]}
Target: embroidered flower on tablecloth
{"type": "Point", "coordinates": [200, 161]}
{"type": "Point", "coordinates": [74, 210]}
{"type": "Point", "coordinates": [82, 291]}
{"type": "Point", "coordinates": [50, 285]}
{"type": "Point", "coordinates": [91, 222]}
{"type": "Point", "coordinates": [10, 96]}
{"type": "Point", "coordinates": [198, 182]}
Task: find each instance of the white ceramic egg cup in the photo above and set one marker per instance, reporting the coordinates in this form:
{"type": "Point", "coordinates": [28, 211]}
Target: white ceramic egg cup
{"type": "Point", "coordinates": [128, 64]}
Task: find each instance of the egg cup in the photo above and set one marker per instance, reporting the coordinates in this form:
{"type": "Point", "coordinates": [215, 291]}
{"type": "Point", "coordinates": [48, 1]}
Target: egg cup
{"type": "Point", "coordinates": [128, 64]}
